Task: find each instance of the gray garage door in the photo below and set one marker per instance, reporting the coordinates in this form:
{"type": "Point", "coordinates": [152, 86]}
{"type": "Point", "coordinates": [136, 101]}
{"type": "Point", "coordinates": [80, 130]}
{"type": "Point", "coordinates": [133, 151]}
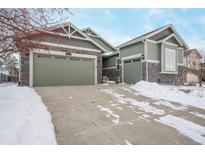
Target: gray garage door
{"type": "Point", "coordinates": [53, 70]}
{"type": "Point", "coordinates": [132, 71]}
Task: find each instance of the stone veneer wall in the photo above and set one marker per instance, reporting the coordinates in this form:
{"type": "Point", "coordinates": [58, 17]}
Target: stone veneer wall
{"type": "Point", "coordinates": [112, 74]}
{"type": "Point", "coordinates": [143, 71]}
{"type": "Point", "coordinates": [24, 72]}
{"type": "Point", "coordinates": [155, 76]}
{"type": "Point", "coordinates": [24, 68]}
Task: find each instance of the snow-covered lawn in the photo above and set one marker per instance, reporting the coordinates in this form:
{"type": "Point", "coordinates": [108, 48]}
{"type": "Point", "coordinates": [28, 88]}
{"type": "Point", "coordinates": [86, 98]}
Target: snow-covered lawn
{"type": "Point", "coordinates": [185, 95]}
{"type": "Point", "coordinates": [24, 119]}
{"type": "Point", "coordinates": [185, 127]}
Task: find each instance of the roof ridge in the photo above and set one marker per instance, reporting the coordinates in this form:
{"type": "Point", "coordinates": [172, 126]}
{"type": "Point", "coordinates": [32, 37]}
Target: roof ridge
{"type": "Point", "coordinates": [145, 34]}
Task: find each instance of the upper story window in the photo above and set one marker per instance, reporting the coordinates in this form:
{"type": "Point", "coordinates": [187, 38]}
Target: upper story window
{"type": "Point", "coordinates": [170, 60]}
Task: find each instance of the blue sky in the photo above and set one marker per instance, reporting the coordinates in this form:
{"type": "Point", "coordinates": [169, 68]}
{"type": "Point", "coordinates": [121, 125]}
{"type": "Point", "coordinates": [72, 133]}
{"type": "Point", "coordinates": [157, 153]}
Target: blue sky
{"type": "Point", "coordinates": [120, 25]}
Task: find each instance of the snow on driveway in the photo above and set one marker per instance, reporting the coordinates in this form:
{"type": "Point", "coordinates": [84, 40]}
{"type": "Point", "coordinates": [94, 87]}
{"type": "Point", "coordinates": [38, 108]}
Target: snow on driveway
{"type": "Point", "coordinates": [24, 118]}
{"type": "Point", "coordinates": [197, 114]}
{"type": "Point", "coordinates": [187, 128]}
{"type": "Point", "coordinates": [166, 95]}
{"type": "Point", "coordinates": [195, 98]}
{"type": "Point", "coordinates": [110, 114]}
{"type": "Point", "coordinates": [168, 104]}
{"type": "Point", "coordinates": [142, 106]}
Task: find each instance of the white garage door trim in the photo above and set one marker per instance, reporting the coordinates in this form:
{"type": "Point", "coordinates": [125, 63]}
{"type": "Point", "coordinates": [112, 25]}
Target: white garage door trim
{"type": "Point", "coordinates": [56, 53]}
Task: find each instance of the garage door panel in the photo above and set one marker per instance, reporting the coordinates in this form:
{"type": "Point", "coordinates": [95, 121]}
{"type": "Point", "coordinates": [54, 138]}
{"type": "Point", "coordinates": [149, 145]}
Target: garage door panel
{"type": "Point", "coordinates": [132, 71]}
{"type": "Point", "coordinates": [56, 71]}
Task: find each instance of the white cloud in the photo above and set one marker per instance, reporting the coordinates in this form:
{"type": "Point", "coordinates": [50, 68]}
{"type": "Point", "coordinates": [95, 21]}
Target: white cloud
{"type": "Point", "coordinates": [197, 43]}
{"type": "Point", "coordinates": [201, 20]}
{"type": "Point", "coordinates": [156, 12]}
{"type": "Point", "coordinates": [108, 14]}
{"type": "Point", "coordinates": [116, 40]}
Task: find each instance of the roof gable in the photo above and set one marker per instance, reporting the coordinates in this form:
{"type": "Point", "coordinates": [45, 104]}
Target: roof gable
{"type": "Point", "coordinates": [161, 35]}
{"type": "Point", "coordinates": [192, 51]}
{"type": "Point", "coordinates": [71, 31]}
{"type": "Point", "coordinates": [157, 35]}
{"type": "Point", "coordinates": [98, 39]}
{"type": "Point", "coordinates": [173, 40]}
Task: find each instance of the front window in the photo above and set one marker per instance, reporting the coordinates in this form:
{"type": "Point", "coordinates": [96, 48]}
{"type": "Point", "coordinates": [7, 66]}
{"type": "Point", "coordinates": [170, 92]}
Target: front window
{"type": "Point", "coordinates": [170, 60]}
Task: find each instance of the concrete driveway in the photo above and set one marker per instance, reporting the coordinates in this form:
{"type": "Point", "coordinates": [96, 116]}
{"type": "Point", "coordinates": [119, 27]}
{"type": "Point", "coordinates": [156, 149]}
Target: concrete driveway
{"type": "Point", "coordinates": [96, 115]}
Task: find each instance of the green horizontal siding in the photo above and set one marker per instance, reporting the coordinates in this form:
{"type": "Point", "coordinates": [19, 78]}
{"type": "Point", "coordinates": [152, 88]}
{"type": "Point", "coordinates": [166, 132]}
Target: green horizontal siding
{"type": "Point", "coordinates": [110, 61]}
{"type": "Point", "coordinates": [67, 41]}
{"type": "Point", "coordinates": [72, 42]}
{"type": "Point", "coordinates": [153, 51]}
{"type": "Point", "coordinates": [132, 49]}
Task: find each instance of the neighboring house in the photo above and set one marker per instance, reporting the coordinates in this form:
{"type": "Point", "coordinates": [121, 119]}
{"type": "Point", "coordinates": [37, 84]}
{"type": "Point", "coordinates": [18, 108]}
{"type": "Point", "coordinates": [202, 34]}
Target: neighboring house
{"type": "Point", "coordinates": [4, 74]}
{"type": "Point", "coordinates": [203, 70]}
{"type": "Point", "coordinates": [192, 59]}
{"type": "Point", "coordinates": [8, 75]}
{"type": "Point", "coordinates": [109, 57]}
{"type": "Point", "coordinates": [192, 62]}
{"type": "Point", "coordinates": [74, 59]}
{"type": "Point", "coordinates": [155, 56]}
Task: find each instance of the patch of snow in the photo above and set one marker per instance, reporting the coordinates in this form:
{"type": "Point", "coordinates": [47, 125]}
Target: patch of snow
{"type": "Point", "coordinates": [142, 117]}
{"type": "Point", "coordinates": [143, 106]}
{"type": "Point", "coordinates": [130, 123]}
{"type": "Point", "coordinates": [187, 128]}
{"type": "Point", "coordinates": [146, 116]}
{"type": "Point", "coordinates": [139, 112]}
{"type": "Point", "coordinates": [120, 108]}
{"type": "Point", "coordinates": [111, 82]}
{"type": "Point", "coordinates": [194, 90]}
{"type": "Point", "coordinates": [198, 114]}
{"type": "Point", "coordinates": [170, 93]}
{"type": "Point", "coordinates": [171, 105]}
{"type": "Point", "coordinates": [105, 84]}
{"type": "Point", "coordinates": [136, 94]}
{"type": "Point", "coordinates": [24, 118]}
{"type": "Point", "coordinates": [127, 142]}
{"type": "Point", "coordinates": [126, 89]}
{"type": "Point", "coordinates": [114, 104]}
{"type": "Point", "coordinates": [71, 97]}
{"type": "Point", "coordinates": [110, 114]}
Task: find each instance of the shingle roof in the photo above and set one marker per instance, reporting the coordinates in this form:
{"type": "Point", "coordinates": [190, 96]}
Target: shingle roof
{"type": "Point", "coordinates": [141, 36]}
{"type": "Point", "coordinates": [146, 35]}
{"type": "Point", "coordinates": [188, 52]}
{"type": "Point", "coordinates": [99, 40]}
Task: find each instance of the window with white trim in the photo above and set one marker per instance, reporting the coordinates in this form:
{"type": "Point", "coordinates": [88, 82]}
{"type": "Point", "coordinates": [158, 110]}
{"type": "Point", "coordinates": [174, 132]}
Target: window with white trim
{"type": "Point", "coordinates": [170, 60]}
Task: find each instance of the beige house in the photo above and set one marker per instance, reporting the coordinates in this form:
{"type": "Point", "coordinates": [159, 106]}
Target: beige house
{"type": "Point", "coordinates": [192, 61]}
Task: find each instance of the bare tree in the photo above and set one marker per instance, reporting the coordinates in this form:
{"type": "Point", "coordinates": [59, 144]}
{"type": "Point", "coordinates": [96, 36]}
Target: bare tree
{"type": "Point", "coordinates": [22, 23]}
{"type": "Point", "coordinates": [12, 63]}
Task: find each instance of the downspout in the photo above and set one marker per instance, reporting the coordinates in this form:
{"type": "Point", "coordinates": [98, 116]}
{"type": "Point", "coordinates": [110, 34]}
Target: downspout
{"type": "Point", "coordinates": [145, 57]}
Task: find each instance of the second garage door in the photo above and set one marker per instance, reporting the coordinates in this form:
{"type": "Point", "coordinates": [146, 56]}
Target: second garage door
{"type": "Point", "coordinates": [53, 70]}
{"type": "Point", "coordinates": [132, 71]}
